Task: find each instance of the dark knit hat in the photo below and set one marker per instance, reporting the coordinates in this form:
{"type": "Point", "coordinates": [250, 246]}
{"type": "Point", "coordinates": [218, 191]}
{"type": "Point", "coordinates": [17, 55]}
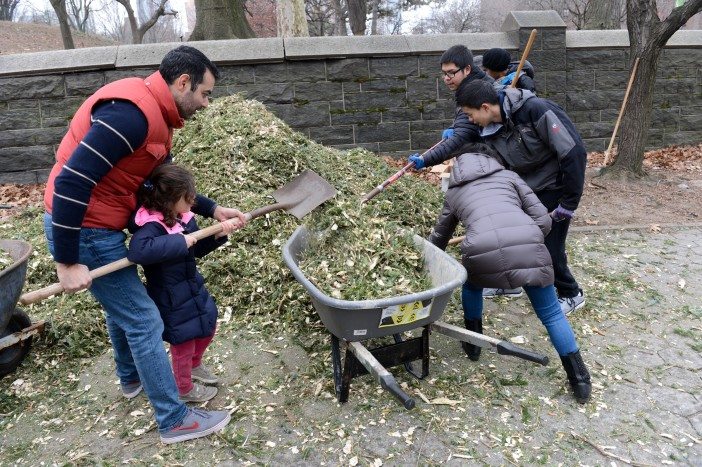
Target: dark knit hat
{"type": "Point", "coordinates": [496, 59]}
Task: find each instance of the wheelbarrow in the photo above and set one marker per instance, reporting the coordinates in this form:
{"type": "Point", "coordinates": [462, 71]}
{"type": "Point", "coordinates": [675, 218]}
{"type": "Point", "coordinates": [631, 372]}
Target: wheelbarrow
{"type": "Point", "coordinates": [16, 329]}
{"type": "Point", "coordinates": [350, 322]}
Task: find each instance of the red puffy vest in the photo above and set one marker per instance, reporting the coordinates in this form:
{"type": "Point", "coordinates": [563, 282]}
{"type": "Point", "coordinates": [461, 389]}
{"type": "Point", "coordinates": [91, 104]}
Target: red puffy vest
{"type": "Point", "coordinates": [114, 197]}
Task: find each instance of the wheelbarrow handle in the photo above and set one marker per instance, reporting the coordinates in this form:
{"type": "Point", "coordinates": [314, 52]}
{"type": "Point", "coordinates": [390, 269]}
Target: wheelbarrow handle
{"type": "Point", "coordinates": [57, 288]}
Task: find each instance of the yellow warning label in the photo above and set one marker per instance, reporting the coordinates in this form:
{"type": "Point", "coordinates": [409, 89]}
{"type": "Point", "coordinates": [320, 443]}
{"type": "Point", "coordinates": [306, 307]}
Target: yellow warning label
{"type": "Point", "coordinates": [406, 313]}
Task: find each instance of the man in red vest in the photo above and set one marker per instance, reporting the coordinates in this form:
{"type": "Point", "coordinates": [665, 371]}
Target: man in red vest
{"type": "Point", "coordinates": [115, 140]}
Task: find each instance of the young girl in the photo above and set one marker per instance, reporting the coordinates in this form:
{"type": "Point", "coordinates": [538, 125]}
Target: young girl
{"type": "Point", "coordinates": [163, 245]}
{"type": "Point", "coordinates": [504, 248]}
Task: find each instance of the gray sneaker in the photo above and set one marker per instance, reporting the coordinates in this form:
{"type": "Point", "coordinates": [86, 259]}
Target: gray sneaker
{"type": "Point", "coordinates": [199, 393]}
{"type": "Point", "coordinates": [131, 390]}
{"type": "Point", "coordinates": [196, 424]}
{"type": "Point", "coordinates": [510, 293]}
{"type": "Point", "coordinates": [570, 304]}
{"type": "Point", "coordinates": [204, 375]}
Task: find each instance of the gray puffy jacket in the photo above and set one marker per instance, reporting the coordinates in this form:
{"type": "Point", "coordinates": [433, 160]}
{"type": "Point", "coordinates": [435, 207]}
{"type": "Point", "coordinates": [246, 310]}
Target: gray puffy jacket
{"type": "Point", "coordinates": [505, 225]}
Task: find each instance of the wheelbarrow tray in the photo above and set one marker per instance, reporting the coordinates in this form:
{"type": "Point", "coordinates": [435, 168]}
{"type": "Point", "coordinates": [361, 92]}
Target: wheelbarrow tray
{"type": "Point", "coordinates": [356, 320]}
{"type": "Point", "coordinates": [12, 277]}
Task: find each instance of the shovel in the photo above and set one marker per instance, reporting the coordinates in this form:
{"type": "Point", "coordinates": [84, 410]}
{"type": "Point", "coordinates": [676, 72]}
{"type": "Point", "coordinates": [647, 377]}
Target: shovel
{"type": "Point", "coordinates": [298, 197]}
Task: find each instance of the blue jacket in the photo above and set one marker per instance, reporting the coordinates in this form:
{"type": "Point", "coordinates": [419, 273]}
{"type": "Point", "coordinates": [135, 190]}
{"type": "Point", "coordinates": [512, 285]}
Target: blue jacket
{"type": "Point", "coordinates": [173, 281]}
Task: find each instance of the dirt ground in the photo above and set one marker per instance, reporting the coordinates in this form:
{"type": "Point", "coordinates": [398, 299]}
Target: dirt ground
{"type": "Point", "coordinates": [17, 38]}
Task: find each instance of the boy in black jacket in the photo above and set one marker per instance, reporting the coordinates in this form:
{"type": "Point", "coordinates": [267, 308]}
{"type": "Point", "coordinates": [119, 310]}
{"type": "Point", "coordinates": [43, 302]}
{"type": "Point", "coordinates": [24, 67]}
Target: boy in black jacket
{"type": "Point", "coordinates": [537, 140]}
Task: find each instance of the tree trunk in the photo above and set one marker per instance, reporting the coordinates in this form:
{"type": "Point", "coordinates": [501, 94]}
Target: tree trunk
{"type": "Point", "coordinates": [339, 18]}
{"type": "Point", "coordinates": [357, 16]}
{"type": "Point", "coordinates": [602, 14]}
{"type": "Point", "coordinates": [291, 19]}
{"type": "Point", "coordinates": [374, 17]}
{"type": "Point", "coordinates": [647, 36]}
{"type": "Point", "coordinates": [7, 9]}
{"type": "Point", "coordinates": [60, 9]}
{"type": "Point", "coordinates": [220, 19]}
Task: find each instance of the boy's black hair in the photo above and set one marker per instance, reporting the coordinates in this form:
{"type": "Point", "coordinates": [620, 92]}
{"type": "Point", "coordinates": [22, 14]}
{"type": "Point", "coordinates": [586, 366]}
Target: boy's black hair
{"type": "Point", "coordinates": [459, 55]}
{"type": "Point", "coordinates": [475, 94]}
{"type": "Point", "coordinates": [186, 60]}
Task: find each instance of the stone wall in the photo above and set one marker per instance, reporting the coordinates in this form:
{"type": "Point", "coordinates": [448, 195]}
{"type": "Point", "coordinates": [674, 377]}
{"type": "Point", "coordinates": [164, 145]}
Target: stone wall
{"type": "Point", "coordinates": [383, 93]}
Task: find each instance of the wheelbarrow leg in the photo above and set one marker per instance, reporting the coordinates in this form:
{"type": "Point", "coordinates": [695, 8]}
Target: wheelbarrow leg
{"type": "Point", "coordinates": [342, 392]}
{"type": "Point", "coordinates": [408, 365]}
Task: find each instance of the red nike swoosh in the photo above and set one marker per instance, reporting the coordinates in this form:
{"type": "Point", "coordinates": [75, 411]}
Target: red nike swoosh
{"type": "Point", "coordinates": [194, 426]}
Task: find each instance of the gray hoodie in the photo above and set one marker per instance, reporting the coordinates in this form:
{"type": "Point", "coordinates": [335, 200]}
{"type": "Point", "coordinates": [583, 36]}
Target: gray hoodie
{"type": "Point", "coordinates": [504, 221]}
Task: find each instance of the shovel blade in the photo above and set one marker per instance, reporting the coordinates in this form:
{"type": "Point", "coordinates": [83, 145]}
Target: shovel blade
{"type": "Point", "coordinates": [304, 193]}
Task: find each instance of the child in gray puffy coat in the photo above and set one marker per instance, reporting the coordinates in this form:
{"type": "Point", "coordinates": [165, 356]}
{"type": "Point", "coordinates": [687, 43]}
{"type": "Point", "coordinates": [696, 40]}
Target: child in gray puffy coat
{"type": "Point", "coordinates": [504, 247]}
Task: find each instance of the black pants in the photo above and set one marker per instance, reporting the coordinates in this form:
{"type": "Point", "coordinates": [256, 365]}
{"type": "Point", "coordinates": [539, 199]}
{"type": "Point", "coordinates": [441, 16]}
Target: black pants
{"type": "Point", "coordinates": [555, 241]}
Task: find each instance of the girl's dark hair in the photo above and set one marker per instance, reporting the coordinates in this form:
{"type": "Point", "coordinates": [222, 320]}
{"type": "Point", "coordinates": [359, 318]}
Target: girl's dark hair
{"type": "Point", "coordinates": [476, 93]}
{"type": "Point", "coordinates": [186, 60]}
{"type": "Point", "coordinates": [483, 148]}
{"type": "Point", "coordinates": [459, 55]}
{"type": "Point", "coordinates": [164, 188]}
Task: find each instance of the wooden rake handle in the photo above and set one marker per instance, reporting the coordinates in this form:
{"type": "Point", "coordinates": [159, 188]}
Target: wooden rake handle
{"type": "Point", "coordinates": [57, 288]}
{"type": "Point", "coordinates": [525, 54]}
{"type": "Point", "coordinates": [621, 112]}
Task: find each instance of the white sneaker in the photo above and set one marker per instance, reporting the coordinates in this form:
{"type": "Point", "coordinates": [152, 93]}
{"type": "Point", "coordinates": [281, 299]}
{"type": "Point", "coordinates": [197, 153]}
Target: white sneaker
{"type": "Point", "coordinates": [509, 293]}
{"type": "Point", "coordinates": [570, 304]}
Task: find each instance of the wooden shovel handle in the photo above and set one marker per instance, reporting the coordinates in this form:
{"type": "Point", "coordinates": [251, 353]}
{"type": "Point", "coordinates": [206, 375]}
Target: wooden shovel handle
{"type": "Point", "coordinates": [527, 49]}
{"type": "Point", "coordinates": [54, 289]}
{"type": "Point", "coordinates": [621, 112]}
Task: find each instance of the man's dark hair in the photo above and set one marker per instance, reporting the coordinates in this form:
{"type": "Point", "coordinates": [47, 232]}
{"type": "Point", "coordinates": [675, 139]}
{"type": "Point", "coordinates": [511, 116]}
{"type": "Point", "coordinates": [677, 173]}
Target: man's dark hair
{"type": "Point", "coordinates": [475, 94]}
{"type": "Point", "coordinates": [459, 55]}
{"type": "Point", "coordinates": [186, 60]}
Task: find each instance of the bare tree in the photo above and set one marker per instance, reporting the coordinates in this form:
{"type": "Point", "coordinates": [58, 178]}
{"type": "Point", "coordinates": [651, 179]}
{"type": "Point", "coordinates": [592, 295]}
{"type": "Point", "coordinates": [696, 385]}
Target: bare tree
{"type": "Point", "coordinates": [455, 16]}
{"type": "Point", "coordinates": [221, 19]}
{"type": "Point", "coordinates": [7, 9]}
{"type": "Point", "coordinates": [339, 18]}
{"type": "Point", "coordinates": [79, 13]}
{"type": "Point", "coordinates": [291, 18]}
{"type": "Point", "coordinates": [138, 31]}
{"type": "Point", "coordinates": [647, 37]}
{"type": "Point", "coordinates": [357, 16]}
{"type": "Point", "coordinates": [59, 7]}
{"type": "Point", "coordinates": [321, 17]}
{"type": "Point", "coordinates": [585, 14]}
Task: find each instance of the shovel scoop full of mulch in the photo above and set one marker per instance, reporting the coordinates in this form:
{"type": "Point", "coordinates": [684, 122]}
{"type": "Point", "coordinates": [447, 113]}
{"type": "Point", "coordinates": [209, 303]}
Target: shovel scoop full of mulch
{"type": "Point", "coordinates": [240, 153]}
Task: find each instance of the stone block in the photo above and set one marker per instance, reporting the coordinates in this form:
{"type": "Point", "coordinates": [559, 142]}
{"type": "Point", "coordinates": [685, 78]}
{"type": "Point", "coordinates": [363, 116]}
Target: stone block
{"type": "Point", "coordinates": [607, 60]}
{"type": "Point", "coordinates": [345, 46]}
{"type": "Point", "coordinates": [687, 58]}
{"type": "Point", "coordinates": [439, 110]}
{"type": "Point", "coordinates": [58, 122]}
{"type": "Point", "coordinates": [114, 75]}
{"type": "Point", "coordinates": [393, 67]}
{"type": "Point", "coordinates": [422, 89]}
{"type": "Point", "coordinates": [594, 130]}
{"type": "Point", "coordinates": [394, 146]}
{"type": "Point", "coordinates": [597, 39]}
{"type": "Point", "coordinates": [339, 116]}
{"type": "Point", "coordinates": [327, 91]}
{"type": "Point", "coordinates": [21, 104]}
{"type": "Point", "coordinates": [313, 114]}
{"type": "Point", "coordinates": [682, 137]}
{"type": "Point", "coordinates": [31, 137]}
{"type": "Point", "coordinates": [445, 93]}
{"type": "Point", "coordinates": [667, 119]}
{"type": "Point", "coordinates": [551, 39]}
{"type": "Point", "coordinates": [235, 74]}
{"type": "Point", "coordinates": [429, 65]}
{"type": "Point", "coordinates": [382, 132]}
{"type": "Point", "coordinates": [83, 84]}
{"type": "Point", "coordinates": [17, 119]}
{"type": "Point", "coordinates": [596, 144]}
{"type": "Point", "coordinates": [28, 177]}
{"type": "Point", "coordinates": [420, 141]}
{"type": "Point", "coordinates": [266, 73]}
{"type": "Point", "coordinates": [351, 87]}
{"type": "Point", "coordinates": [278, 93]}
{"type": "Point", "coordinates": [401, 114]}
{"type": "Point", "coordinates": [593, 100]}
{"type": "Point", "coordinates": [307, 70]}
{"type": "Point", "coordinates": [436, 126]}
{"type": "Point", "coordinates": [548, 60]}
{"type": "Point", "coordinates": [355, 69]}
{"type": "Point", "coordinates": [15, 159]}
{"type": "Point", "coordinates": [582, 116]}
{"type": "Point", "coordinates": [552, 81]}
{"type": "Point", "coordinates": [58, 61]}
{"type": "Point", "coordinates": [31, 87]}
{"type": "Point", "coordinates": [374, 101]}
{"type": "Point", "coordinates": [614, 79]}
{"type": "Point", "coordinates": [532, 19]}
{"type": "Point", "coordinates": [373, 147]}
{"type": "Point", "coordinates": [392, 85]}
{"type": "Point", "coordinates": [332, 135]}
{"type": "Point", "coordinates": [437, 44]}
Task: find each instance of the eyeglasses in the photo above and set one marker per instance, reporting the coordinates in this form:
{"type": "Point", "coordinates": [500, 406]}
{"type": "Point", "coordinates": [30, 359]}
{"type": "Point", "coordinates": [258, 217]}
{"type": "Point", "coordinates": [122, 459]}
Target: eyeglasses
{"type": "Point", "coordinates": [450, 74]}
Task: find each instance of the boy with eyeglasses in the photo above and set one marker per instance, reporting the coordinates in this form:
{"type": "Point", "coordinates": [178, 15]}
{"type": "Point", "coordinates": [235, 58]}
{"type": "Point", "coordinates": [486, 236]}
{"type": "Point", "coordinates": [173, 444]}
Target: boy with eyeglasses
{"type": "Point", "coordinates": [457, 70]}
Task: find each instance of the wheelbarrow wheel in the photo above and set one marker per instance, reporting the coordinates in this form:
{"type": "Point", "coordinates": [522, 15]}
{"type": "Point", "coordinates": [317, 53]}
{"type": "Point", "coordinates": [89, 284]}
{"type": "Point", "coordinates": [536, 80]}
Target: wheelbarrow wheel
{"type": "Point", "coordinates": [11, 357]}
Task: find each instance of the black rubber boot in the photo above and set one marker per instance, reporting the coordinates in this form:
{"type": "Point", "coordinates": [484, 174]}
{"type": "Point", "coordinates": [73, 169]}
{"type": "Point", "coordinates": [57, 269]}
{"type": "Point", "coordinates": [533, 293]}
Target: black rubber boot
{"type": "Point", "coordinates": [473, 351]}
{"type": "Point", "coordinates": [578, 376]}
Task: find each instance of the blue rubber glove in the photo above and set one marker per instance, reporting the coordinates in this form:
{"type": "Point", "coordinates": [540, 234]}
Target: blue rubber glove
{"type": "Point", "coordinates": [561, 214]}
{"type": "Point", "coordinates": [418, 160]}
{"type": "Point", "coordinates": [448, 132]}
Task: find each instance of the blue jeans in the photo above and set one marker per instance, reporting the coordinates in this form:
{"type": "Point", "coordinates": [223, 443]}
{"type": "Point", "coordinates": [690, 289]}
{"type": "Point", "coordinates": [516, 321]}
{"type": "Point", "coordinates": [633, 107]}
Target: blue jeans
{"type": "Point", "coordinates": [133, 322]}
{"type": "Point", "coordinates": [546, 306]}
